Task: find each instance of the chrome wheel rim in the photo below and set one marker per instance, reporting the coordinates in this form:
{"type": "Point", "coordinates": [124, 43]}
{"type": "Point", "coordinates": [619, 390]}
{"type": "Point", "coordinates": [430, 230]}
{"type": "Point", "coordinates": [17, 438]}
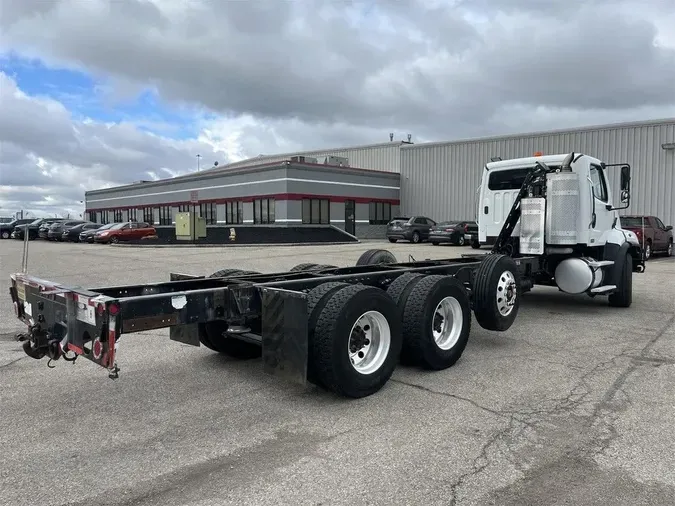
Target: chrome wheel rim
{"type": "Point", "coordinates": [648, 251]}
{"type": "Point", "coordinates": [670, 249]}
{"type": "Point", "coordinates": [447, 323]}
{"type": "Point", "coordinates": [369, 342]}
{"type": "Point", "coordinates": [506, 293]}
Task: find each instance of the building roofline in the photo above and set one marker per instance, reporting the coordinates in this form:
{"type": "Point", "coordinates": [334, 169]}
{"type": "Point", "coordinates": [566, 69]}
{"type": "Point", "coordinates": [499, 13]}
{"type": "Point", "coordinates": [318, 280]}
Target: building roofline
{"type": "Point", "coordinates": [541, 133]}
{"type": "Point", "coordinates": [313, 151]}
{"type": "Point", "coordinates": [195, 176]}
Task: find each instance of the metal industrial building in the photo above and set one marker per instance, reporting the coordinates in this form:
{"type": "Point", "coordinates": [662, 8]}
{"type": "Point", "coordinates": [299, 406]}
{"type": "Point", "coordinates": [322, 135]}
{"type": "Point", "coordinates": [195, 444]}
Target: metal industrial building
{"type": "Point", "coordinates": [439, 180]}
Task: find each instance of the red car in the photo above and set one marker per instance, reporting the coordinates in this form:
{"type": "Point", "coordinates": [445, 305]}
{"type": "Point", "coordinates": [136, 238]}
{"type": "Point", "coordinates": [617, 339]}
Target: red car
{"type": "Point", "coordinates": [129, 231]}
{"type": "Point", "coordinates": [654, 236]}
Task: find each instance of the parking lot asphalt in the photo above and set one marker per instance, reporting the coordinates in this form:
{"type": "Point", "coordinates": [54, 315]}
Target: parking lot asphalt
{"type": "Point", "coordinates": [572, 405]}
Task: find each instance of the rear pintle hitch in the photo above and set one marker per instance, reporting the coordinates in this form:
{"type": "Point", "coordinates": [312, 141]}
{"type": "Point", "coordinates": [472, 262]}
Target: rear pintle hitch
{"type": "Point", "coordinates": [33, 352]}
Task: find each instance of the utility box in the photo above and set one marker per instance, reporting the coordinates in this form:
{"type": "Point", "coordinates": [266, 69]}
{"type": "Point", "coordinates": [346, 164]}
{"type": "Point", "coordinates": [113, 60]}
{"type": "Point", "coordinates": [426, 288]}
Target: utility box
{"type": "Point", "coordinates": [190, 227]}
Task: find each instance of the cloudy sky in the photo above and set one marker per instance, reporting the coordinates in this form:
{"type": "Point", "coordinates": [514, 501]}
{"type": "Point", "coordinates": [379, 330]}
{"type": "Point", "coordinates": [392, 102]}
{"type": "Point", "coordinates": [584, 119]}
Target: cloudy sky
{"type": "Point", "coordinates": [96, 93]}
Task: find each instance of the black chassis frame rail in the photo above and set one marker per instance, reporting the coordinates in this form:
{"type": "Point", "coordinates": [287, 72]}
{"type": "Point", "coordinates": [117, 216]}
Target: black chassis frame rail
{"type": "Point", "coordinates": [268, 309]}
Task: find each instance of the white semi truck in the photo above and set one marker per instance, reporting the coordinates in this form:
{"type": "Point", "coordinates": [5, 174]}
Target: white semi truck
{"type": "Point", "coordinates": [560, 209]}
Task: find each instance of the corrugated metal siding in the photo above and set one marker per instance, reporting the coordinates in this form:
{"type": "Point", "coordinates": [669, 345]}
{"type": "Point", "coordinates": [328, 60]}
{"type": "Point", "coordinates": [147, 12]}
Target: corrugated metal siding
{"type": "Point", "coordinates": [383, 157]}
{"type": "Point", "coordinates": [440, 180]}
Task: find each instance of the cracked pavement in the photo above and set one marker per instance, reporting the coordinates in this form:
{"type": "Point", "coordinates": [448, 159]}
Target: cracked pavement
{"type": "Point", "coordinates": [573, 405]}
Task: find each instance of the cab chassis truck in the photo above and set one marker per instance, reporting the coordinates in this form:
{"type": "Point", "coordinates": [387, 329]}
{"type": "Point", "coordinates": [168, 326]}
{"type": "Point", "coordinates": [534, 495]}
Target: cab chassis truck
{"type": "Point", "coordinates": [343, 329]}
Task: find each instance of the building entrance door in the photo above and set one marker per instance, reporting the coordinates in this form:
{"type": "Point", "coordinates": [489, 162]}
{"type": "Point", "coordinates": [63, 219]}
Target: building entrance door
{"type": "Point", "coordinates": [350, 222]}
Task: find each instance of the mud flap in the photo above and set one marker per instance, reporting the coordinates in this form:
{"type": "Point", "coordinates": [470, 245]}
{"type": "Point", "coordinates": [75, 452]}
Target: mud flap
{"type": "Point", "coordinates": [285, 334]}
{"type": "Point", "coordinates": [187, 333]}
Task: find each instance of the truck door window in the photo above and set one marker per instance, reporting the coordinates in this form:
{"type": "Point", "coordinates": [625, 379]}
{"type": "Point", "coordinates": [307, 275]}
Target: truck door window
{"type": "Point", "coordinates": [599, 184]}
{"type": "Point", "coordinates": [660, 224]}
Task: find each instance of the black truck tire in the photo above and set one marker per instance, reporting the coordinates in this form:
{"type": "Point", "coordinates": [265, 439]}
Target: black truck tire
{"type": "Point", "coordinates": [304, 267]}
{"type": "Point", "coordinates": [436, 322]}
{"type": "Point", "coordinates": [495, 294]}
{"type": "Point", "coordinates": [316, 301]}
{"type": "Point", "coordinates": [336, 336]}
{"type": "Point", "coordinates": [212, 336]}
{"type": "Point", "coordinates": [376, 256]}
{"type": "Point", "coordinates": [475, 244]}
{"type": "Point", "coordinates": [399, 289]}
{"type": "Point", "coordinates": [623, 297]}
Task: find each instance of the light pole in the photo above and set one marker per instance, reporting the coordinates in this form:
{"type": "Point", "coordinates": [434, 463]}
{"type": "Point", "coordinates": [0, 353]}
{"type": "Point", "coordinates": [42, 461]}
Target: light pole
{"type": "Point", "coordinates": [198, 159]}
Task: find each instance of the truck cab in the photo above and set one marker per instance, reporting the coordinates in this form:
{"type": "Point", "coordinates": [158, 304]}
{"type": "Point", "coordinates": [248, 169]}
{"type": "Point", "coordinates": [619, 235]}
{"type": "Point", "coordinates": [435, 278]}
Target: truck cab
{"type": "Point", "coordinates": [587, 216]}
{"type": "Point", "coordinates": [560, 210]}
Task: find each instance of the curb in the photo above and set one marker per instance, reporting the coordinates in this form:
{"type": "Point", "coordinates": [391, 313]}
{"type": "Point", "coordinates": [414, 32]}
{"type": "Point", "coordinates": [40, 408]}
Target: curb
{"type": "Point", "coordinates": [226, 245]}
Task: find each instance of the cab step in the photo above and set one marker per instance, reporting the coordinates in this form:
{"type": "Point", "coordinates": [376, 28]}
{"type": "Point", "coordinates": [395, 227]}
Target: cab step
{"type": "Point", "coordinates": [603, 289]}
{"type": "Point", "coordinates": [601, 263]}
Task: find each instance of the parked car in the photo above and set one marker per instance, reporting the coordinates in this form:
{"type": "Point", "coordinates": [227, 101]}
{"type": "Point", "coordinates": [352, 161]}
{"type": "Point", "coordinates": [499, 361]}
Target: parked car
{"type": "Point", "coordinates": [87, 235]}
{"type": "Point", "coordinates": [72, 234]}
{"type": "Point", "coordinates": [454, 232]}
{"type": "Point", "coordinates": [654, 236]}
{"type": "Point", "coordinates": [33, 228]}
{"type": "Point", "coordinates": [43, 229]}
{"type": "Point", "coordinates": [415, 229]}
{"type": "Point", "coordinates": [56, 230]}
{"type": "Point", "coordinates": [129, 231]}
{"type": "Point", "coordinates": [6, 229]}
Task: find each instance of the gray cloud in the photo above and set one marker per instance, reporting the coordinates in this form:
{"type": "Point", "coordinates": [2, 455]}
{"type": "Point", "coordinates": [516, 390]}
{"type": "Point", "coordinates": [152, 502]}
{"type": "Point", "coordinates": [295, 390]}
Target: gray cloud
{"type": "Point", "coordinates": [48, 159]}
{"type": "Point", "coordinates": [302, 75]}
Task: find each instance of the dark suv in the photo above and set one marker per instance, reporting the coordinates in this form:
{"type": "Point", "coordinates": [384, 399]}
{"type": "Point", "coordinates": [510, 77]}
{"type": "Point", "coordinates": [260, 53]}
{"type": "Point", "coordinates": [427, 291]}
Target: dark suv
{"type": "Point", "coordinates": [6, 229]}
{"type": "Point", "coordinates": [415, 229]}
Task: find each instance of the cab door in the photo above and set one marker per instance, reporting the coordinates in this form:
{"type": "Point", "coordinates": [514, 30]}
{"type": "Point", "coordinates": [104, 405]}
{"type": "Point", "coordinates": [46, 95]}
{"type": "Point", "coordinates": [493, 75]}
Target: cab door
{"type": "Point", "coordinates": [602, 217]}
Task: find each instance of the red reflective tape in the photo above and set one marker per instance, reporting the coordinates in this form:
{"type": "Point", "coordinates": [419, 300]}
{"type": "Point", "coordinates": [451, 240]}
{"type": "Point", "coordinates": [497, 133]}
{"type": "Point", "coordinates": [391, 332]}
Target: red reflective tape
{"type": "Point", "coordinates": [76, 349]}
{"type": "Point", "coordinates": [110, 358]}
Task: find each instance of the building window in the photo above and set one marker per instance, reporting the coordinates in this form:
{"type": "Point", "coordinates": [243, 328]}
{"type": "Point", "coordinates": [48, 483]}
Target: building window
{"type": "Point", "coordinates": [234, 212]}
{"type": "Point", "coordinates": [148, 215]}
{"type": "Point", "coordinates": [207, 211]}
{"type": "Point", "coordinates": [380, 213]}
{"type": "Point", "coordinates": [164, 215]}
{"type": "Point", "coordinates": [117, 215]}
{"type": "Point", "coordinates": [263, 211]}
{"type": "Point", "coordinates": [105, 217]}
{"type": "Point", "coordinates": [316, 211]}
{"type": "Point", "coordinates": [92, 216]}
{"type": "Point", "coordinates": [132, 214]}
